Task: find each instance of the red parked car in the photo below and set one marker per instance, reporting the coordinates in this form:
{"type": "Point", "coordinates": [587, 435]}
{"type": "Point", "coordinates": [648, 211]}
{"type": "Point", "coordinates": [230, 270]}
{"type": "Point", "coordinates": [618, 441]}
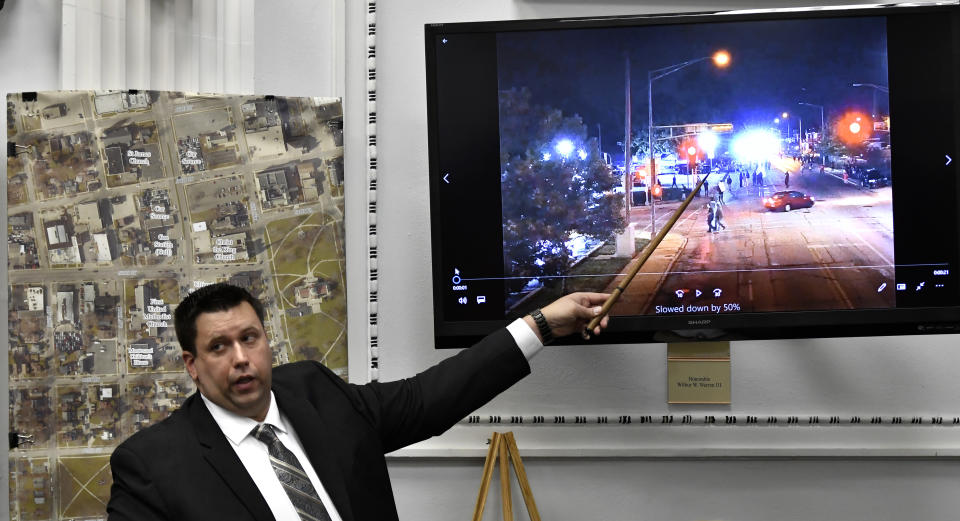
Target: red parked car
{"type": "Point", "coordinates": [788, 200]}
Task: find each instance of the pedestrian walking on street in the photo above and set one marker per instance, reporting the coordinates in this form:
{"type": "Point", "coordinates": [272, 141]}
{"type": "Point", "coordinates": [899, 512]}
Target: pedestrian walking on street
{"type": "Point", "coordinates": [786, 180]}
{"type": "Point", "coordinates": [711, 217]}
{"type": "Point", "coordinates": [718, 217]}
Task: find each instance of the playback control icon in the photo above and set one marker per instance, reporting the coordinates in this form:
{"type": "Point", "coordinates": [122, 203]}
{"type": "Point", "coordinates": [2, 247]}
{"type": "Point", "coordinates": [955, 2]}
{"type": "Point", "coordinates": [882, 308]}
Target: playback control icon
{"type": "Point", "coordinates": [460, 285]}
{"type": "Point", "coordinates": [680, 293]}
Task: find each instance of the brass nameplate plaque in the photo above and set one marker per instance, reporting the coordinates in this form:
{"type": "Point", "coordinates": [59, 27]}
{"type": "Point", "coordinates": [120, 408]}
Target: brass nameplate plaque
{"type": "Point", "coordinates": [698, 350]}
{"type": "Point", "coordinates": [698, 374]}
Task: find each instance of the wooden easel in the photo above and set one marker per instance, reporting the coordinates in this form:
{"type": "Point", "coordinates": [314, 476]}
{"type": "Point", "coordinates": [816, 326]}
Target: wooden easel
{"type": "Point", "coordinates": [505, 446]}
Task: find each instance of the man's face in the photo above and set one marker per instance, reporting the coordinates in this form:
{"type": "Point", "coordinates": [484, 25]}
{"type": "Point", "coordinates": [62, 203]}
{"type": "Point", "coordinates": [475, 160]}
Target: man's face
{"type": "Point", "coordinates": [232, 367]}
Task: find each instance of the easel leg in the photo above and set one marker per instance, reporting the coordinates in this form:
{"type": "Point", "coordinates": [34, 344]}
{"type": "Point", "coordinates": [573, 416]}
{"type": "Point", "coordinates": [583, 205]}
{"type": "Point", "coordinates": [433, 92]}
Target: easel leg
{"type": "Point", "coordinates": [504, 446]}
{"type": "Point", "coordinates": [505, 479]}
{"type": "Point", "coordinates": [525, 489]}
{"type": "Point", "coordinates": [487, 475]}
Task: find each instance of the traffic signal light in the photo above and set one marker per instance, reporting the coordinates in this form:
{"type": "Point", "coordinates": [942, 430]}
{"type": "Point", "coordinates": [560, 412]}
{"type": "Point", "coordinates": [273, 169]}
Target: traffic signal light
{"type": "Point", "coordinates": [657, 190]}
{"type": "Point", "coordinates": [689, 149]}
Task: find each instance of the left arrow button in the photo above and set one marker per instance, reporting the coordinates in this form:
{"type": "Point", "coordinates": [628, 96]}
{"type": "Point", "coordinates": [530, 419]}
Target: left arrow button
{"type": "Point", "coordinates": [445, 178]}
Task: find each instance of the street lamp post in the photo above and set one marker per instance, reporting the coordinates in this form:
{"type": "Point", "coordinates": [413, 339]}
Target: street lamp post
{"type": "Point", "coordinates": [721, 59]}
{"type": "Point", "coordinates": [875, 88]}
{"type": "Point", "coordinates": [800, 134]}
{"type": "Point", "coordinates": [823, 129]}
{"type": "Point", "coordinates": [786, 127]}
{"type": "Point", "coordinates": [785, 116]}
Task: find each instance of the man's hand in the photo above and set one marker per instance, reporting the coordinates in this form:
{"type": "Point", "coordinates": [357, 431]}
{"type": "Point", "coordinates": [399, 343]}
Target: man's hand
{"type": "Point", "coordinates": [571, 313]}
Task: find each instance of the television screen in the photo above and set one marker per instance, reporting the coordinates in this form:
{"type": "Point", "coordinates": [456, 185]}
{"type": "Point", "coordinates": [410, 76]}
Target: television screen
{"type": "Point", "coordinates": [798, 165]}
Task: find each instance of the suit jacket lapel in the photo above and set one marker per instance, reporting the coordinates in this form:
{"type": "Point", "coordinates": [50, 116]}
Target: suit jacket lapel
{"type": "Point", "coordinates": [320, 443]}
{"type": "Point", "coordinates": [221, 456]}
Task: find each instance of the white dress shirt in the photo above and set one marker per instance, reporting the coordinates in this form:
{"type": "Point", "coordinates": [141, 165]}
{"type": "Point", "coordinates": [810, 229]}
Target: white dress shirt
{"type": "Point", "coordinates": [256, 459]}
{"type": "Point", "coordinates": [526, 339]}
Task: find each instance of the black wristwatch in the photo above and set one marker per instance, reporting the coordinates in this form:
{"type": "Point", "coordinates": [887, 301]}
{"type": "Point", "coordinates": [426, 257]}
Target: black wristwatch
{"type": "Point", "coordinates": [542, 325]}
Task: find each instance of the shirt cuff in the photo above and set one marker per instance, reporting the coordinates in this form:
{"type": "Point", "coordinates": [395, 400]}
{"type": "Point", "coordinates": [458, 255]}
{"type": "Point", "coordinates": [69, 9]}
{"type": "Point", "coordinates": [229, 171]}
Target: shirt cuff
{"type": "Point", "coordinates": [526, 339]}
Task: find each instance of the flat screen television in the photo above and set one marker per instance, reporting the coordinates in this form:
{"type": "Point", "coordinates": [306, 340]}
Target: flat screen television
{"type": "Point", "coordinates": [829, 140]}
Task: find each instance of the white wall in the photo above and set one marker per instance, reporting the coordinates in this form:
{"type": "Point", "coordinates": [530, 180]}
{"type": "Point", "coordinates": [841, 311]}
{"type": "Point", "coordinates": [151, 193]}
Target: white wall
{"type": "Point", "coordinates": [289, 35]}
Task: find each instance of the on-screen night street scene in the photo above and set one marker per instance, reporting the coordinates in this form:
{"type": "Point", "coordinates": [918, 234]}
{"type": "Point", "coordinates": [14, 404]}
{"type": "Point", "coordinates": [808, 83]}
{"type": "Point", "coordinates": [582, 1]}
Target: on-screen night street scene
{"type": "Point", "coordinates": [787, 123]}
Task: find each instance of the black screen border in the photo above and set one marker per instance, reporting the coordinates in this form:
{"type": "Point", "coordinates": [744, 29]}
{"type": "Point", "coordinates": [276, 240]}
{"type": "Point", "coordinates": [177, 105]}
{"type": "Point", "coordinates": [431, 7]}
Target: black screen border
{"type": "Point", "coordinates": [656, 329]}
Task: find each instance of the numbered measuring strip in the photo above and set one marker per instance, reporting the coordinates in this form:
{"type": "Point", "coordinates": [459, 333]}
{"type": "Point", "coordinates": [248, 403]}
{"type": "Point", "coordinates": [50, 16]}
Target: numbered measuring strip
{"type": "Point", "coordinates": [715, 419]}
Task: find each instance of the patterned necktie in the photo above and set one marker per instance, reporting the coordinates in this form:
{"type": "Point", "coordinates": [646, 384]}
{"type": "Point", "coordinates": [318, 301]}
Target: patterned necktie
{"type": "Point", "coordinates": [291, 475]}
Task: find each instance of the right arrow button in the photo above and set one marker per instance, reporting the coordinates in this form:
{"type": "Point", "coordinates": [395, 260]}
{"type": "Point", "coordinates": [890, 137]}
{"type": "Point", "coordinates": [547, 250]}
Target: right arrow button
{"type": "Point", "coordinates": [949, 160]}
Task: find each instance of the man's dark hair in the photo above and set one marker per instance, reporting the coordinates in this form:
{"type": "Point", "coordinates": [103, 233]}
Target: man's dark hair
{"type": "Point", "coordinates": [209, 299]}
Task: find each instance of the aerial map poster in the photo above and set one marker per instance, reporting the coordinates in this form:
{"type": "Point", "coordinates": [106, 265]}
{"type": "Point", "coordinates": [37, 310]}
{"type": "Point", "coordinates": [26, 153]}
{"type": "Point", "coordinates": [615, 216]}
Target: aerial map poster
{"type": "Point", "coordinates": [119, 204]}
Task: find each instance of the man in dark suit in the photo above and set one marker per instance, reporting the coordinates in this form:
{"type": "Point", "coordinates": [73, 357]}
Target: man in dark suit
{"type": "Point", "coordinates": [295, 442]}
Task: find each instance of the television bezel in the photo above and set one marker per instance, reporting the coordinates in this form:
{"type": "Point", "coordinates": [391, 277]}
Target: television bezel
{"type": "Point", "coordinates": [657, 328]}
